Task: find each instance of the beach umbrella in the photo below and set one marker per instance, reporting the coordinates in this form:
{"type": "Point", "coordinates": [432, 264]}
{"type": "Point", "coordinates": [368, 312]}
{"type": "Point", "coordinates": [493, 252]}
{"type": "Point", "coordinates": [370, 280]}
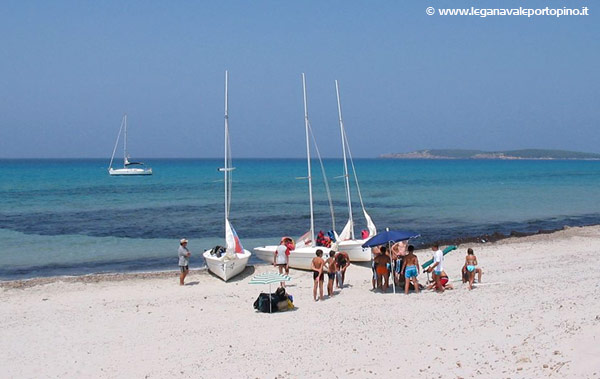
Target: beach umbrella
{"type": "Point", "coordinates": [445, 251]}
{"type": "Point", "coordinates": [270, 278]}
{"type": "Point", "coordinates": [388, 237]}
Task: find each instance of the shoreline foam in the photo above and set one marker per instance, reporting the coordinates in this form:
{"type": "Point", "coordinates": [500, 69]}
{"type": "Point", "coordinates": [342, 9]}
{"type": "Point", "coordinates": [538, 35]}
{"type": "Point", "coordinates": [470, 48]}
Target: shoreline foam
{"type": "Point", "coordinates": [477, 241]}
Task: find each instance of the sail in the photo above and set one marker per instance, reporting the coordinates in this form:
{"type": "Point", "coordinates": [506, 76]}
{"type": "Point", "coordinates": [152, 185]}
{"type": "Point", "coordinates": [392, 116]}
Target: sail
{"type": "Point", "coordinates": [234, 245]}
{"type": "Point", "coordinates": [304, 240]}
{"type": "Point", "coordinates": [370, 224]}
{"type": "Point", "coordinates": [346, 233]}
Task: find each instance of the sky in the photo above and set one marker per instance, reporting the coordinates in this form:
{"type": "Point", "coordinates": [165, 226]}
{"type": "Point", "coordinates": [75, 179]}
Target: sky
{"type": "Point", "coordinates": [408, 81]}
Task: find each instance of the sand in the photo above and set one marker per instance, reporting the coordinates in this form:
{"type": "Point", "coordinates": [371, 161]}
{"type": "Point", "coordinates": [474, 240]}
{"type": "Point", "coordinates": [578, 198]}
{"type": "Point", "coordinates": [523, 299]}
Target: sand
{"type": "Point", "coordinates": [536, 314]}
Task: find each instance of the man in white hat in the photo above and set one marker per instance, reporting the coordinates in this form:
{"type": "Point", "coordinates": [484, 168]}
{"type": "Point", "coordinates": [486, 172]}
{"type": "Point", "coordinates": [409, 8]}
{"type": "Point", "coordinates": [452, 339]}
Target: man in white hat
{"type": "Point", "coordinates": [184, 260]}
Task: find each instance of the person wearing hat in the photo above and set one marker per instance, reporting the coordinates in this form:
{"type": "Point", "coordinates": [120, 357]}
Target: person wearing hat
{"type": "Point", "coordinates": [184, 260]}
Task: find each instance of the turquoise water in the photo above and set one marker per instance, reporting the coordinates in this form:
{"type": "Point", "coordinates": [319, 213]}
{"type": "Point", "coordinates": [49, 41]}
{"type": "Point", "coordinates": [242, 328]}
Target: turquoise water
{"type": "Point", "coordinates": [71, 217]}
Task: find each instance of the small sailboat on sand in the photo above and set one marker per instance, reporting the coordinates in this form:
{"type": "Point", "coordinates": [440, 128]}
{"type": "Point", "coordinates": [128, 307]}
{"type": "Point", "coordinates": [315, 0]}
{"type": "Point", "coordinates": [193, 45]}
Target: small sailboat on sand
{"type": "Point", "coordinates": [129, 168]}
{"type": "Point", "coordinates": [346, 240]}
{"type": "Point", "coordinates": [305, 247]}
{"type": "Point", "coordinates": [230, 261]}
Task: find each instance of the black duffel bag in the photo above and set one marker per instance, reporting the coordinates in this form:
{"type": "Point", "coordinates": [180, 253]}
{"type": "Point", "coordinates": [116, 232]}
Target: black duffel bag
{"type": "Point", "coordinates": [262, 302]}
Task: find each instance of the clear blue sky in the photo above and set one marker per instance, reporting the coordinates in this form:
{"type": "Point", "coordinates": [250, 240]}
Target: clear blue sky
{"type": "Point", "coordinates": [70, 69]}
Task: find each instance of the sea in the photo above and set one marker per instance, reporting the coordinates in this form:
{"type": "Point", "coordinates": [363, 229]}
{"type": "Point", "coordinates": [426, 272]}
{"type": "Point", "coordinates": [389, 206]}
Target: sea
{"type": "Point", "coordinates": [69, 217]}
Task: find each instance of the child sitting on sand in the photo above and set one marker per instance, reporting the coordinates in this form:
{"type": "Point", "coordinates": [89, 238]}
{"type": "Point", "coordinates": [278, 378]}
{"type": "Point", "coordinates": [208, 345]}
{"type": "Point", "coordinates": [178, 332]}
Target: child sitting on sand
{"type": "Point", "coordinates": [444, 282]}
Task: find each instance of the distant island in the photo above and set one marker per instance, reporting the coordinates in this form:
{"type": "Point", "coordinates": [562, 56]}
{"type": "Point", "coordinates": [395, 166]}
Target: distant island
{"type": "Point", "coordinates": [480, 154]}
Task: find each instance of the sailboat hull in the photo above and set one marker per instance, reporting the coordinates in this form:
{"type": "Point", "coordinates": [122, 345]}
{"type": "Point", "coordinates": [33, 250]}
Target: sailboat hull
{"type": "Point", "coordinates": [129, 171]}
{"type": "Point", "coordinates": [300, 258]}
{"type": "Point", "coordinates": [355, 251]}
{"type": "Point", "coordinates": [226, 268]}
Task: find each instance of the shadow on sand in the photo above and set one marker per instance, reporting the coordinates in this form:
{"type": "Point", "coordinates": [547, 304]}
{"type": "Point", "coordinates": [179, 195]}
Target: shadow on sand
{"type": "Point", "coordinates": [242, 276]}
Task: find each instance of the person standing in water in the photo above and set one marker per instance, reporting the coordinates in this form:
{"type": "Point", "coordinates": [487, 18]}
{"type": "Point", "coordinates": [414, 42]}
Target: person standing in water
{"type": "Point", "coordinates": [184, 260]}
{"type": "Point", "coordinates": [410, 269]}
{"type": "Point", "coordinates": [317, 265]}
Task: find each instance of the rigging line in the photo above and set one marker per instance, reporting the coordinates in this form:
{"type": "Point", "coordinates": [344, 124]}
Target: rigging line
{"type": "Point", "coordinates": [324, 177]}
{"type": "Point", "coordinates": [354, 172]}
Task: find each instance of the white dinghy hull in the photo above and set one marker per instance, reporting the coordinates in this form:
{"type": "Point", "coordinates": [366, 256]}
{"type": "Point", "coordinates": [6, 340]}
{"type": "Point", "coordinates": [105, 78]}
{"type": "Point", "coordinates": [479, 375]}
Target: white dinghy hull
{"type": "Point", "coordinates": [224, 267]}
{"type": "Point", "coordinates": [300, 258]}
{"type": "Point", "coordinates": [355, 251]}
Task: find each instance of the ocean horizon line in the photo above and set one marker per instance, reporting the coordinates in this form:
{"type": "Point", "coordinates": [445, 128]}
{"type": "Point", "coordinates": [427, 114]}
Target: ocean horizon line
{"type": "Point", "coordinates": [178, 158]}
{"type": "Point", "coordinates": [377, 158]}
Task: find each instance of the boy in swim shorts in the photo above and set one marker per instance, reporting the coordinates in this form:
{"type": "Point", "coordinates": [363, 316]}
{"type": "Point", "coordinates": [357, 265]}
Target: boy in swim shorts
{"type": "Point", "coordinates": [317, 265]}
{"type": "Point", "coordinates": [382, 263]}
{"type": "Point", "coordinates": [410, 269]}
{"type": "Point", "coordinates": [331, 269]}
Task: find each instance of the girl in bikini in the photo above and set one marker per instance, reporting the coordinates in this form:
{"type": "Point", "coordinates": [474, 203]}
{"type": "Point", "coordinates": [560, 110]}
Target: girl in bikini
{"type": "Point", "coordinates": [470, 267]}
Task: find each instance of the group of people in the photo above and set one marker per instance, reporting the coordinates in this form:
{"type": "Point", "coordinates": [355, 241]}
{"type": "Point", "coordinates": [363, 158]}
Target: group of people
{"type": "Point", "coordinates": [406, 268]}
{"type": "Point", "coordinates": [335, 266]}
{"type": "Point", "coordinates": [324, 240]}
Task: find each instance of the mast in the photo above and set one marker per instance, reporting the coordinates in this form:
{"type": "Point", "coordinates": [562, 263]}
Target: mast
{"type": "Point", "coordinates": [346, 176]}
{"type": "Point", "coordinates": [310, 195]}
{"type": "Point", "coordinates": [112, 157]}
{"type": "Point", "coordinates": [125, 142]}
{"type": "Point", "coordinates": [226, 167]}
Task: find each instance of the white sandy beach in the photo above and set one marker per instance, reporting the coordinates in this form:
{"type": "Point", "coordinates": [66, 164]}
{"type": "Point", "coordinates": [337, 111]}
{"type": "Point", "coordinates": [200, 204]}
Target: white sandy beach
{"type": "Point", "coordinates": [540, 319]}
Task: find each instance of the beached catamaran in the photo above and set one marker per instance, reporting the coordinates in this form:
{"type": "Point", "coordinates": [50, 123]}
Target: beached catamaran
{"type": "Point", "coordinates": [304, 252]}
{"type": "Point", "coordinates": [346, 239]}
{"type": "Point", "coordinates": [129, 168]}
{"type": "Point", "coordinates": [234, 259]}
